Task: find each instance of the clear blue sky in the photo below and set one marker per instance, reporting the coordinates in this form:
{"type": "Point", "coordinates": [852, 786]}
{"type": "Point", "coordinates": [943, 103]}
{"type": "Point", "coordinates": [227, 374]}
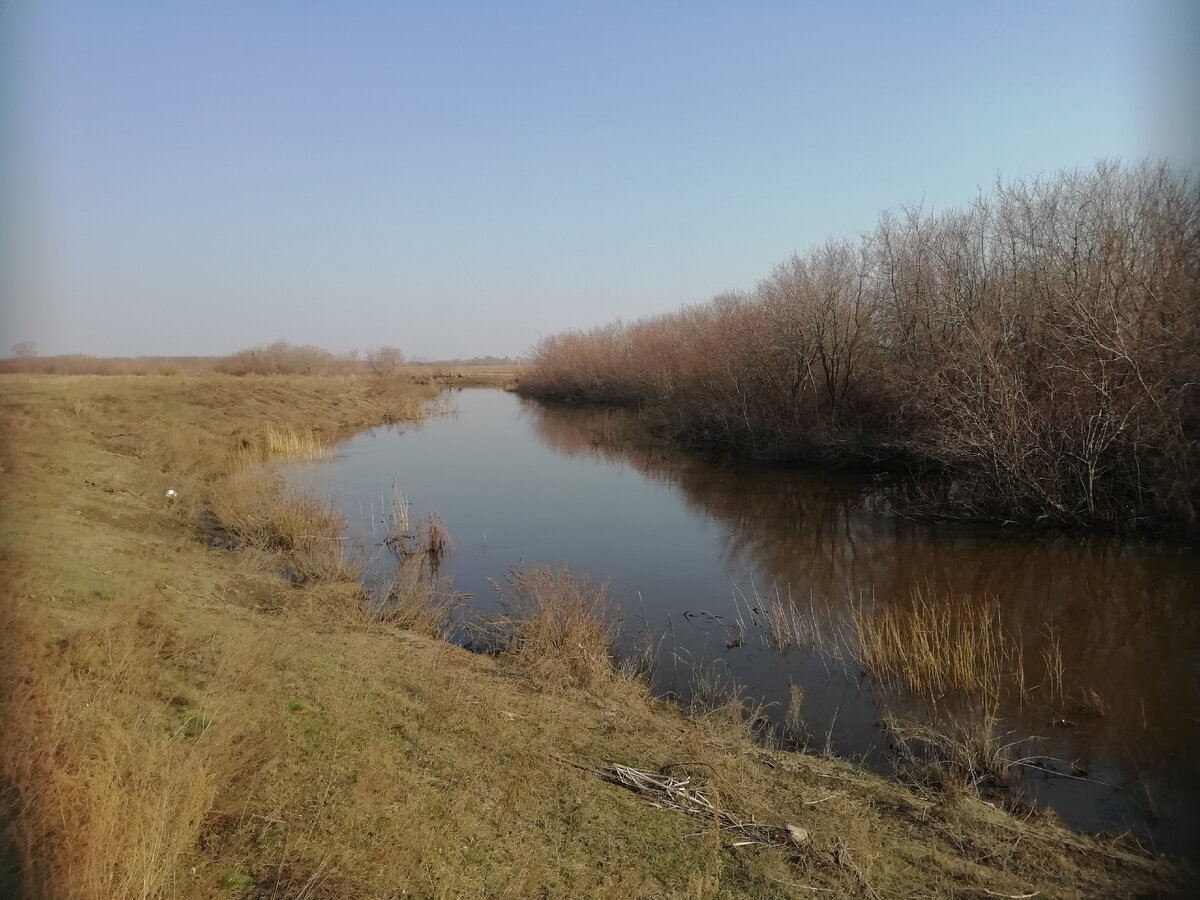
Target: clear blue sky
{"type": "Point", "coordinates": [458, 178]}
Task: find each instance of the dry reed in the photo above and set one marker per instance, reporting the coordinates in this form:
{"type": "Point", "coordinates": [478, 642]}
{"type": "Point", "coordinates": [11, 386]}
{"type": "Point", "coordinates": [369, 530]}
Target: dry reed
{"type": "Point", "coordinates": [936, 644]}
{"type": "Point", "coordinates": [295, 443]}
{"type": "Point", "coordinates": [956, 752]}
{"type": "Point", "coordinates": [414, 599]}
{"type": "Point", "coordinates": [561, 627]}
{"type": "Point", "coordinates": [256, 510]}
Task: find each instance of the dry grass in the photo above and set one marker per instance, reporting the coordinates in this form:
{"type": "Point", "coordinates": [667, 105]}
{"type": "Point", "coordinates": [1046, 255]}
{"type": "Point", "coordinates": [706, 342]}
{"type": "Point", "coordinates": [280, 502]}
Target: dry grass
{"type": "Point", "coordinates": [120, 792]}
{"type": "Point", "coordinates": [180, 721]}
{"type": "Point", "coordinates": [938, 644]}
{"type": "Point", "coordinates": [956, 753]}
{"type": "Point", "coordinates": [415, 599]}
{"type": "Point", "coordinates": [561, 627]}
{"type": "Point", "coordinates": [256, 510]}
{"type": "Point", "coordinates": [290, 442]}
{"type": "Point", "coordinates": [783, 624]}
{"type": "Point", "coordinates": [431, 539]}
{"type": "Point", "coordinates": [434, 539]}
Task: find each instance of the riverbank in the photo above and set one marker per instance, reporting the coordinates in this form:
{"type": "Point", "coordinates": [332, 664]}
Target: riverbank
{"type": "Point", "coordinates": [179, 719]}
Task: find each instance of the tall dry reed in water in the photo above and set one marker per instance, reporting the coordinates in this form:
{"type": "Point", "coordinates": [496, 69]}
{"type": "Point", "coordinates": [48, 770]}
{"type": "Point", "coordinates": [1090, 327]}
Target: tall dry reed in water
{"type": "Point", "coordinates": [937, 644]}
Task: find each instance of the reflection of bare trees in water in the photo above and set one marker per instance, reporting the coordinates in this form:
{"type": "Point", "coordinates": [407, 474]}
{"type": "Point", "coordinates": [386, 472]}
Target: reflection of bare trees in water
{"type": "Point", "coordinates": [1118, 616]}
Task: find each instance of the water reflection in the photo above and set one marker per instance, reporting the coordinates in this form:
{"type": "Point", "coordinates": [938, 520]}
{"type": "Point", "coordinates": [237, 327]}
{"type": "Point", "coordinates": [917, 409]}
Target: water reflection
{"type": "Point", "coordinates": [680, 537]}
{"type": "Point", "coordinates": [1122, 613]}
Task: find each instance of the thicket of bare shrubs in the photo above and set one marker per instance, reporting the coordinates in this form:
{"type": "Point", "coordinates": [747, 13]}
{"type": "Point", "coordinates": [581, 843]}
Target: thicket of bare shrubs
{"type": "Point", "coordinates": [1040, 347]}
{"type": "Point", "coordinates": [279, 358]}
{"type": "Point", "coordinates": [282, 358]}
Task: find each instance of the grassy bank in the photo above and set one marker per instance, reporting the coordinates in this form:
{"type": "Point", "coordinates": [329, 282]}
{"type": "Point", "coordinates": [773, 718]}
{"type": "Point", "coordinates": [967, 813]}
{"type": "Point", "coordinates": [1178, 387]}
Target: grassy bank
{"type": "Point", "coordinates": [198, 700]}
{"type": "Point", "coordinates": [1037, 349]}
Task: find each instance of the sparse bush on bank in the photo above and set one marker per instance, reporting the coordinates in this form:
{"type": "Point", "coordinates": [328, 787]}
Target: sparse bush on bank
{"type": "Point", "coordinates": [1041, 348]}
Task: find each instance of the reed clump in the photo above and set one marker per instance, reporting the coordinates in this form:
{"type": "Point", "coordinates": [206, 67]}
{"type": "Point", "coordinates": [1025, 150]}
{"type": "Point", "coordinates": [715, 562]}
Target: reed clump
{"type": "Point", "coordinates": [255, 509]}
{"type": "Point", "coordinates": [954, 753]}
{"type": "Point", "coordinates": [937, 644]}
{"type": "Point", "coordinates": [430, 541]}
{"type": "Point", "coordinates": [414, 599]}
{"type": "Point", "coordinates": [561, 627]}
{"type": "Point", "coordinates": [785, 624]}
{"type": "Point", "coordinates": [434, 538]}
{"type": "Point", "coordinates": [297, 443]}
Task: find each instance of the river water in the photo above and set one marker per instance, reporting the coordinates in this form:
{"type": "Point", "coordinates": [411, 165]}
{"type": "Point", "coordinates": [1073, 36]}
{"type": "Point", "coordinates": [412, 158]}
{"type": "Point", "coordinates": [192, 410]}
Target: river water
{"type": "Point", "coordinates": [685, 543]}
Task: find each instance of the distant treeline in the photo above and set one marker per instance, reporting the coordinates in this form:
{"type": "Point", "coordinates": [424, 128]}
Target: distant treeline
{"type": "Point", "coordinates": [1039, 350]}
{"type": "Point", "coordinates": [279, 358]}
{"type": "Point", "coordinates": [83, 364]}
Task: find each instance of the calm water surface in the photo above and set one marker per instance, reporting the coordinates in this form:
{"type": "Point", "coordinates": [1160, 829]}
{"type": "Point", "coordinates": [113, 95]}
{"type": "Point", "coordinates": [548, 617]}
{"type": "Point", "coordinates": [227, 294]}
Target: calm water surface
{"type": "Point", "coordinates": [679, 538]}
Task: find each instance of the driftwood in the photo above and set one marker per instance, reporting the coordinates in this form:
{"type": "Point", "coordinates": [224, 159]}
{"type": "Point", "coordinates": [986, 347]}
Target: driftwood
{"type": "Point", "coordinates": [668, 792]}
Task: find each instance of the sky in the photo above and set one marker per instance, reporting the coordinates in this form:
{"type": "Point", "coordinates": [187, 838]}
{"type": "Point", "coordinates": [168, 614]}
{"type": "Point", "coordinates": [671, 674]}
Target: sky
{"type": "Point", "coordinates": [457, 179]}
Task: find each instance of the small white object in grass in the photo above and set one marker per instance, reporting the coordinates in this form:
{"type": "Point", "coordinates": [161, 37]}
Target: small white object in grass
{"type": "Point", "coordinates": [797, 834]}
{"type": "Point", "coordinates": [171, 495]}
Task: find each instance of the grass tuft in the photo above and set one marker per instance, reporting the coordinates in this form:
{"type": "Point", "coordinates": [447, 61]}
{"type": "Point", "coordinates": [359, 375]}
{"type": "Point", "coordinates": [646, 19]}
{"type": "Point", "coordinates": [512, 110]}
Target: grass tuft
{"type": "Point", "coordinates": [961, 752]}
{"type": "Point", "coordinates": [937, 644]}
{"type": "Point", "coordinates": [561, 627]}
{"type": "Point", "coordinates": [415, 599]}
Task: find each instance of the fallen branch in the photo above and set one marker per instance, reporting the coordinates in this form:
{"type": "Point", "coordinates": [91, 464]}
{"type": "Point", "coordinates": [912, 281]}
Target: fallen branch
{"type": "Point", "coordinates": [668, 792]}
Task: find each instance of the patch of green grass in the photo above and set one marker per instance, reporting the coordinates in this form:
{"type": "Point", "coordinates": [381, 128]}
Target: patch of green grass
{"type": "Point", "coordinates": [195, 725]}
{"type": "Point", "coordinates": [236, 878]}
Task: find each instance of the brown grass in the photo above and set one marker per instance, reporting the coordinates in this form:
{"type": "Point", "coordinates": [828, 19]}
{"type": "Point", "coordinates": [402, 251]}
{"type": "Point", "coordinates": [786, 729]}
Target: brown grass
{"type": "Point", "coordinates": [963, 752]}
{"type": "Point", "coordinates": [561, 627]}
{"type": "Point", "coordinates": [938, 644]}
{"type": "Point", "coordinates": [414, 599]}
{"type": "Point", "coordinates": [256, 510]}
{"type": "Point", "coordinates": [290, 442]}
{"type": "Point", "coordinates": [181, 721]}
{"type": "Point", "coordinates": [120, 793]}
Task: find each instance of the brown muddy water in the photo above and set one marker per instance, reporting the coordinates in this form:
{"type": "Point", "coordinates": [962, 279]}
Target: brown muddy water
{"type": "Point", "coordinates": [687, 544]}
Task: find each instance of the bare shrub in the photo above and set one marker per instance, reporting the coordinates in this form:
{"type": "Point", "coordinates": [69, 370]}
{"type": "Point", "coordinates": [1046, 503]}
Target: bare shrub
{"type": "Point", "coordinates": [280, 358]}
{"type": "Point", "coordinates": [1040, 348]}
{"type": "Point", "coordinates": [384, 361]}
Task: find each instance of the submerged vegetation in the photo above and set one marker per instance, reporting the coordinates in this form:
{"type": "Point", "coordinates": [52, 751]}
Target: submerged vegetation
{"type": "Point", "coordinates": [1039, 349]}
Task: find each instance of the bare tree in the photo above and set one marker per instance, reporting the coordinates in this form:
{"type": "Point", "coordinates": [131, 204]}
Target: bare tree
{"type": "Point", "coordinates": [24, 350]}
{"type": "Point", "coordinates": [385, 361]}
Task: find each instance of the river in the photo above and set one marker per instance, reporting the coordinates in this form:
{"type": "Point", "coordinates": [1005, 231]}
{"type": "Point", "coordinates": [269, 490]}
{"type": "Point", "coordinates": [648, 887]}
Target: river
{"type": "Point", "coordinates": [685, 543]}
